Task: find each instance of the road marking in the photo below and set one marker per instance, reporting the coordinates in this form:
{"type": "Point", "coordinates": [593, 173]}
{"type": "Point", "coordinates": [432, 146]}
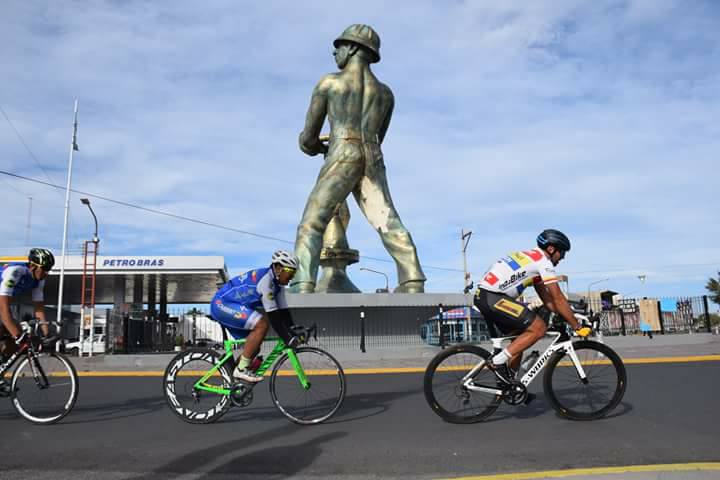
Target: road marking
{"type": "Point", "coordinates": [669, 467]}
{"type": "Point", "coordinates": [372, 371]}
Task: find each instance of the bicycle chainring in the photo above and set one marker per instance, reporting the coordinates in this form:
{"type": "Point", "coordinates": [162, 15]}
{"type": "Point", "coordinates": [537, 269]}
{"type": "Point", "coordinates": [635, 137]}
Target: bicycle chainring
{"type": "Point", "coordinates": [242, 395]}
{"type": "Point", "coordinates": [515, 394]}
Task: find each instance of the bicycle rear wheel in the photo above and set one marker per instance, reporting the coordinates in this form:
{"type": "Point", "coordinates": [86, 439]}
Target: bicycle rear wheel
{"type": "Point", "coordinates": [324, 394]}
{"type": "Point", "coordinates": [44, 387]}
{"type": "Point", "coordinates": [444, 390]}
{"type": "Point", "coordinates": [593, 397]}
{"type": "Point", "coordinates": [192, 404]}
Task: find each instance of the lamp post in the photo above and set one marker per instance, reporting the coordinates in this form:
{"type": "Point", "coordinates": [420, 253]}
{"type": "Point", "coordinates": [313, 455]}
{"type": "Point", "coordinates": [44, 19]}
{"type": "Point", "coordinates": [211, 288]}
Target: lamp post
{"type": "Point", "coordinates": [467, 286]}
{"type": "Point", "coordinates": [387, 284]}
{"type": "Point", "coordinates": [85, 201]}
{"type": "Point", "coordinates": [594, 283]}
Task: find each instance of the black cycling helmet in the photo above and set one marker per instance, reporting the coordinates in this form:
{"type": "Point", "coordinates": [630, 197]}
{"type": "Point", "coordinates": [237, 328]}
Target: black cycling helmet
{"type": "Point", "coordinates": [555, 238]}
{"type": "Point", "coordinates": [42, 258]}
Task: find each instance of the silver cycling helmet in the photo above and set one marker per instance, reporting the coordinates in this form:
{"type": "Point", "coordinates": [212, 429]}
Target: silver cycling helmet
{"type": "Point", "coordinates": [285, 259]}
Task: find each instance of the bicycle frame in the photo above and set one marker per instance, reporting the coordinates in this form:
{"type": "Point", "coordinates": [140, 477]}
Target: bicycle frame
{"type": "Point", "coordinates": [278, 350]}
{"type": "Point", "coordinates": [534, 370]}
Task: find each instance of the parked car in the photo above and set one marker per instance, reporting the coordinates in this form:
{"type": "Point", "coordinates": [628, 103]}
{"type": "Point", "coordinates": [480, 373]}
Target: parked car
{"type": "Point", "coordinates": [208, 343]}
{"type": "Point", "coordinates": [98, 345]}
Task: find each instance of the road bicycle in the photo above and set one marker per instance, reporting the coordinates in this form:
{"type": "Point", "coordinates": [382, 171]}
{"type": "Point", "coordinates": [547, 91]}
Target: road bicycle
{"type": "Point", "coordinates": [44, 386]}
{"type": "Point", "coordinates": [584, 379]}
{"type": "Point", "coordinates": [307, 384]}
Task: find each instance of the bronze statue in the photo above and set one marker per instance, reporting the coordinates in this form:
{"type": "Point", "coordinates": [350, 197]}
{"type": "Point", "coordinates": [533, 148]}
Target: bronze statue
{"type": "Point", "coordinates": [358, 108]}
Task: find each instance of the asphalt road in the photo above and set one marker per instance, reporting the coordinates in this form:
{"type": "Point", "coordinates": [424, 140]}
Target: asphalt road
{"type": "Point", "coordinates": [121, 428]}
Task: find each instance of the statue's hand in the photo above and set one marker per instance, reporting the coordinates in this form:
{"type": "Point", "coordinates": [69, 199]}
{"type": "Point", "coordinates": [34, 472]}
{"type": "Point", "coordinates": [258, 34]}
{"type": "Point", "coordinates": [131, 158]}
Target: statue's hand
{"type": "Point", "coordinates": [311, 146]}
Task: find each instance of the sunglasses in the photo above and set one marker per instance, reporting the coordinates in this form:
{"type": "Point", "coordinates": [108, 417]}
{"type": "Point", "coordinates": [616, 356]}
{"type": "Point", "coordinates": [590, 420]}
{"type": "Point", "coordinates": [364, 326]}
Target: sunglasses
{"type": "Point", "coordinates": [289, 270]}
{"type": "Point", "coordinates": [46, 270]}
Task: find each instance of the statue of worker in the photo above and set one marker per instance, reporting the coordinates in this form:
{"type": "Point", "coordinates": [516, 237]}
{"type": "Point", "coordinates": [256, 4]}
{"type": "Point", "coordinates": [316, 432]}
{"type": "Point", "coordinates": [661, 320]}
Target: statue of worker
{"type": "Point", "coordinates": [358, 108]}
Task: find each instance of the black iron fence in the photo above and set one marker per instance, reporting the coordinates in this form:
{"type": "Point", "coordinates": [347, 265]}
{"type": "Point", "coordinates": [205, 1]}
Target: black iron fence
{"type": "Point", "coordinates": [656, 315]}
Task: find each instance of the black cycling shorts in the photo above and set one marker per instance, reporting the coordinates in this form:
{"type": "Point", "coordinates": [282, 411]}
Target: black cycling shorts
{"type": "Point", "coordinates": [508, 315]}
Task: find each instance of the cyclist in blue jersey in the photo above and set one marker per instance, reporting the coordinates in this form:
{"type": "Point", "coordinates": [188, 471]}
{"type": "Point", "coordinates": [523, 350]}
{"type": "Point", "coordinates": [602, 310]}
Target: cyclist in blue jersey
{"type": "Point", "coordinates": [16, 279]}
{"type": "Point", "coordinates": [249, 303]}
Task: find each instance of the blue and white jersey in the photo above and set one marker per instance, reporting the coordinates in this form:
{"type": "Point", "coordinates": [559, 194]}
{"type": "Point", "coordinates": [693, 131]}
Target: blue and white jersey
{"type": "Point", "coordinates": [17, 278]}
{"type": "Point", "coordinates": [254, 289]}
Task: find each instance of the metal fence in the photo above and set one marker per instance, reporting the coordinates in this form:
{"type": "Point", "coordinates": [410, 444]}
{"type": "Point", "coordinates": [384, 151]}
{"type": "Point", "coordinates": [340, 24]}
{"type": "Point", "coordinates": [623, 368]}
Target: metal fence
{"type": "Point", "coordinates": [655, 315]}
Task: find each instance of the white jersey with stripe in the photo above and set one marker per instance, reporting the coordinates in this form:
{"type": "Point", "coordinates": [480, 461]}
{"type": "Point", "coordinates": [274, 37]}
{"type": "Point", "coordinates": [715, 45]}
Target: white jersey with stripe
{"type": "Point", "coordinates": [518, 270]}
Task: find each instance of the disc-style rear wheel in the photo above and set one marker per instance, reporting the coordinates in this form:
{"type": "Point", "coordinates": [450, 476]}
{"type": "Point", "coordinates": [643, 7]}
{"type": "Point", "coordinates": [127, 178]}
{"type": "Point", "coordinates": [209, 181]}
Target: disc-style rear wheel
{"type": "Point", "coordinates": [188, 402]}
{"type": "Point", "coordinates": [449, 397]}
{"type": "Point", "coordinates": [595, 396]}
{"type": "Point", "coordinates": [44, 387]}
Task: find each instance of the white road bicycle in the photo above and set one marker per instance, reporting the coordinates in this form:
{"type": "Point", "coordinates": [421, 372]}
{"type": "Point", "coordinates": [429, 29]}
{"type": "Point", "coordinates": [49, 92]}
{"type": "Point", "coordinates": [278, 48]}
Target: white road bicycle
{"type": "Point", "coordinates": [584, 380]}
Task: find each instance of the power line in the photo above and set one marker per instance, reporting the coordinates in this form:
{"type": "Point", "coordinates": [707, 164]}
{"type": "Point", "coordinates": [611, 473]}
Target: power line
{"type": "Point", "coordinates": [25, 144]}
{"type": "Point", "coordinates": [194, 220]}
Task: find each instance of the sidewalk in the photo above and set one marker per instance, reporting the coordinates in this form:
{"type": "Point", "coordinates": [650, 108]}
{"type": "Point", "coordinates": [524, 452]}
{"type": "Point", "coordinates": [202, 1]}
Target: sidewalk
{"type": "Point", "coordinates": [629, 347]}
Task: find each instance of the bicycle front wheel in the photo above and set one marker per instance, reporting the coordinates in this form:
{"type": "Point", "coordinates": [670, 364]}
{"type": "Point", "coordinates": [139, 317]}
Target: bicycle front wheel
{"type": "Point", "coordinates": [192, 404]}
{"type": "Point", "coordinates": [595, 396]}
{"type": "Point", "coordinates": [449, 397]}
{"type": "Point", "coordinates": [316, 401]}
{"type": "Point", "coordinates": [44, 387]}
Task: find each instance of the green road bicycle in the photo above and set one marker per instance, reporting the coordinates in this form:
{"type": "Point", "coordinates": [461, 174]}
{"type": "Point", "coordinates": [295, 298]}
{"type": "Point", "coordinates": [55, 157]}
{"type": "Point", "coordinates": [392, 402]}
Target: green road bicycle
{"type": "Point", "coordinates": [307, 384]}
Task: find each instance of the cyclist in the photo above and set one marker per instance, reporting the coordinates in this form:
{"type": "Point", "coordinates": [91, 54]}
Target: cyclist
{"type": "Point", "coordinates": [502, 284]}
{"type": "Point", "coordinates": [249, 303]}
{"type": "Point", "coordinates": [16, 279]}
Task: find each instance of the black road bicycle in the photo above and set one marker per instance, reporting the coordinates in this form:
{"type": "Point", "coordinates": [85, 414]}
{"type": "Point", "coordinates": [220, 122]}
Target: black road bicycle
{"type": "Point", "coordinates": [43, 387]}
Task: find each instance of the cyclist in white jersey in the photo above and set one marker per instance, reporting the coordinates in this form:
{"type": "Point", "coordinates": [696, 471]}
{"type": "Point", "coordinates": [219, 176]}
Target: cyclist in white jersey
{"type": "Point", "coordinates": [502, 284]}
{"type": "Point", "coordinates": [15, 279]}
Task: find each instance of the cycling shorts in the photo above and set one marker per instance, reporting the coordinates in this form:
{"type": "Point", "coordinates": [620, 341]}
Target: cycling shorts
{"type": "Point", "coordinates": [237, 318]}
{"type": "Point", "coordinates": [510, 316]}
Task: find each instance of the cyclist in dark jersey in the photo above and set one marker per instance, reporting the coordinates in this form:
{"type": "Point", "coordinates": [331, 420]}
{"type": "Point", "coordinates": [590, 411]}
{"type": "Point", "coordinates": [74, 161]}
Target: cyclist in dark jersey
{"type": "Point", "coordinates": [17, 278]}
{"type": "Point", "coordinates": [502, 284]}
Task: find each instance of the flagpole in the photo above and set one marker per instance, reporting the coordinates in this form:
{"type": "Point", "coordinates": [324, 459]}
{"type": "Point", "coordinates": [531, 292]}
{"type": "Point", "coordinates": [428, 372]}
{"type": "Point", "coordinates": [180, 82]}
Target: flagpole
{"type": "Point", "coordinates": [73, 148]}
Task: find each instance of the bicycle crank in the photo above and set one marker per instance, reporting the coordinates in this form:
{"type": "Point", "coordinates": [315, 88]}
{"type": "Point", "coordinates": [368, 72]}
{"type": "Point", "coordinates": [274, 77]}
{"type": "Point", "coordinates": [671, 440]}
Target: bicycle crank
{"type": "Point", "coordinates": [241, 395]}
{"type": "Point", "coordinates": [515, 394]}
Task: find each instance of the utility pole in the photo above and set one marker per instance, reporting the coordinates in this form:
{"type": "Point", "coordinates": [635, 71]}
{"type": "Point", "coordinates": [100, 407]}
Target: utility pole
{"type": "Point", "coordinates": [464, 240]}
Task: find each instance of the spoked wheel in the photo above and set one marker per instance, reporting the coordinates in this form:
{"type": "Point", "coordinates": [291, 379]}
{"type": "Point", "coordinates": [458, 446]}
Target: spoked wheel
{"type": "Point", "coordinates": [44, 387]}
{"type": "Point", "coordinates": [594, 397]}
{"type": "Point", "coordinates": [322, 396]}
{"type": "Point", "coordinates": [185, 400]}
{"type": "Point", "coordinates": [444, 389]}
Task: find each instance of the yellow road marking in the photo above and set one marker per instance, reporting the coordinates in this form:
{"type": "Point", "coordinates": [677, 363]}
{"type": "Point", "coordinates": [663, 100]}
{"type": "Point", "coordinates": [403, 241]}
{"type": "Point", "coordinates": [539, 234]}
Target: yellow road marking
{"type": "Point", "coordinates": [371, 371]}
{"type": "Point", "coordinates": [669, 467]}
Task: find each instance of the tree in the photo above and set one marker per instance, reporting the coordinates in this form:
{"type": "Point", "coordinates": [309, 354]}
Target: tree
{"type": "Point", "coordinates": [713, 286]}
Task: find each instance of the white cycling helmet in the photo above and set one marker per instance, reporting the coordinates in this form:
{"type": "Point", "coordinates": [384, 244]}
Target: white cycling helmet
{"type": "Point", "coordinates": [281, 257]}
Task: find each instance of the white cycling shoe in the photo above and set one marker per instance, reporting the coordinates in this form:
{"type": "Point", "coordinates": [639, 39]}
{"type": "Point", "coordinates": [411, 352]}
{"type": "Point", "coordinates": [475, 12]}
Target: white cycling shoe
{"type": "Point", "coordinates": [247, 376]}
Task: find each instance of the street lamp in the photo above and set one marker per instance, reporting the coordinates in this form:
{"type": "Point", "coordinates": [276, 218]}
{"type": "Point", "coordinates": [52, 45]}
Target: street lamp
{"type": "Point", "coordinates": [594, 283]}
{"type": "Point", "coordinates": [387, 285]}
{"type": "Point", "coordinates": [85, 201]}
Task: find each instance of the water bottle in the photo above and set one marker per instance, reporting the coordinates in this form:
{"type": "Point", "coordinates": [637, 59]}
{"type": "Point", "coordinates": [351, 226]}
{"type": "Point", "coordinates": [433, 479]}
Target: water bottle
{"type": "Point", "coordinates": [257, 361]}
{"type": "Point", "coordinates": [530, 360]}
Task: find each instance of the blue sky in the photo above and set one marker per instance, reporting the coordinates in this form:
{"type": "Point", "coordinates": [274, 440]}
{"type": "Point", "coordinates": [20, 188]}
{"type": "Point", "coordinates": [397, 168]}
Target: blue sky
{"type": "Point", "coordinates": [597, 118]}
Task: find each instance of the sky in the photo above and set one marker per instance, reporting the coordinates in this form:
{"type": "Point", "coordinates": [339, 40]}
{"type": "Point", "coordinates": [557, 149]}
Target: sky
{"type": "Point", "coordinates": [595, 118]}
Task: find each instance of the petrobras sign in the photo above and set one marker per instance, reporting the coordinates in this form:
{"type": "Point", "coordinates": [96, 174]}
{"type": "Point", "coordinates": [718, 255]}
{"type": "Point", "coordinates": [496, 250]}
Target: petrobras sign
{"type": "Point", "coordinates": [129, 262]}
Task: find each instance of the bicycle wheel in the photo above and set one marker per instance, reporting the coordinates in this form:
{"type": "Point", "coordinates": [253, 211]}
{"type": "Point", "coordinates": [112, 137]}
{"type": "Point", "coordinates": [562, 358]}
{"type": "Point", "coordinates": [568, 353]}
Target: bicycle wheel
{"type": "Point", "coordinates": [445, 392]}
{"type": "Point", "coordinates": [44, 387]}
{"type": "Point", "coordinates": [189, 403]}
{"type": "Point", "coordinates": [324, 395]}
{"type": "Point", "coordinates": [594, 397]}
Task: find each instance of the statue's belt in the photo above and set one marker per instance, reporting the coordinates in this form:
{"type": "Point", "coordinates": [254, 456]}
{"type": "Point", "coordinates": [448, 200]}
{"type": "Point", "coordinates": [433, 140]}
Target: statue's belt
{"type": "Point", "coordinates": [342, 134]}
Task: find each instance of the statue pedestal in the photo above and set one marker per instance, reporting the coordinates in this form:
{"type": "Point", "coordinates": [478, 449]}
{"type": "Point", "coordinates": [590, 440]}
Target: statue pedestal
{"type": "Point", "coordinates": [333, 278]}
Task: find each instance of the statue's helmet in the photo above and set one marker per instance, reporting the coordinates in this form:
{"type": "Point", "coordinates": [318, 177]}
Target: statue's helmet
{"type": "Point", "coordinates": [364, 36]}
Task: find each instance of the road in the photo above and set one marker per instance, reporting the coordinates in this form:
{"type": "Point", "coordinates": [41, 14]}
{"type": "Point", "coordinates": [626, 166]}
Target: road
{"type": "Point", "coordinates": [121, 428]}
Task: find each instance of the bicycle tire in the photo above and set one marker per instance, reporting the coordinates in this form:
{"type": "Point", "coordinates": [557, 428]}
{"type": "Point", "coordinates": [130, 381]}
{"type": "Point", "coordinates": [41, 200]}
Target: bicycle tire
{"type": "Point", "coordinates": [180, 394]}
{"type": "Point", "coordinates": [326, 377]}
{"type": "Point", "coordinates": [46, 392]}
{"type": "Point", "coordinates": [590, 403]}
{"type": "Point", "coordinates": [455, 405]}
